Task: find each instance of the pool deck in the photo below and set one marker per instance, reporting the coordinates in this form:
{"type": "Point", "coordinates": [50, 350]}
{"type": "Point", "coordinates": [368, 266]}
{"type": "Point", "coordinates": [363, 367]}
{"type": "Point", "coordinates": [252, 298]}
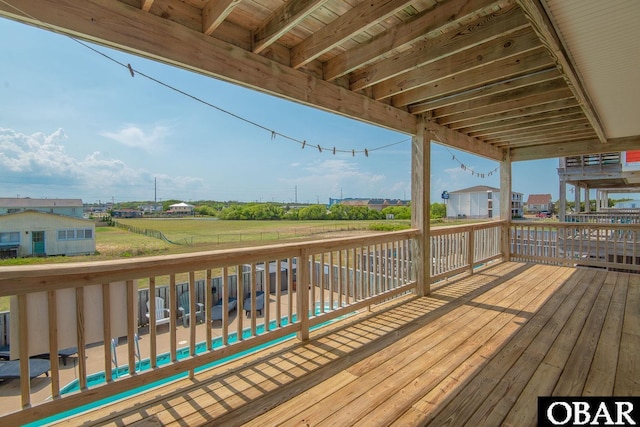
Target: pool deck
{"type": "Point", "coordinates": [10, 395]}
{"type": "Point", "coordinates": [477, 351]}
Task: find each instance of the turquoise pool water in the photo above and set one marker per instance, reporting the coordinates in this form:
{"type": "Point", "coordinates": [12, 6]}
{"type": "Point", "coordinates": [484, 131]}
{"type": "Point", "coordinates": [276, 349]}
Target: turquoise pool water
{"type": "Point", "coordinates": [163, 359]}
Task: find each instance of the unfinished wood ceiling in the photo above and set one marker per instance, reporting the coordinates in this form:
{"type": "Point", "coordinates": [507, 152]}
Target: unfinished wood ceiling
{"type": "Point", "coordinates": [489, 75]}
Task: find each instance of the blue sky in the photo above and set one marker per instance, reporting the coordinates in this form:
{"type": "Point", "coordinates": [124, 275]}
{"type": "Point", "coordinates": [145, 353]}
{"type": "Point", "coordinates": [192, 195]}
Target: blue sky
{"type": "Point", "coordinates": [74, 124]}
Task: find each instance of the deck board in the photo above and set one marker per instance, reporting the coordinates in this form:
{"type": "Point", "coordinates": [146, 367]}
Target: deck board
{"type": "Point", "coordinates": [478, 350]}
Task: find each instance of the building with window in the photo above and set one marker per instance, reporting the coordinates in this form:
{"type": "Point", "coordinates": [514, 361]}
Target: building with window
{"type": "Point", "coordinates": [537, 203]}
{"type": "Point", "coordinates": [480, 202]}
{"type": "Point", "coordinates": [50, 227]}
{"type": "Point", "coordinates": [181, 209]}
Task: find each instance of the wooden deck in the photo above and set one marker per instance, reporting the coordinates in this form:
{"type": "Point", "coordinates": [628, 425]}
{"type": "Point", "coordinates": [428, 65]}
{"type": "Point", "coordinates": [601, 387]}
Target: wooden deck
{"type": "Point", "coordinates": [477, 351]}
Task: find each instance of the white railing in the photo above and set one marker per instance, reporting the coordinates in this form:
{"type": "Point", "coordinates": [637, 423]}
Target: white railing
{"type": "Point", "coordinates": [88, 304]}
{"type": "Point", "coordinates": [463, 248]}
{"type": "Point", "coordinates": [611, 216]}
{"type": "Point", "coordinates": [611, 246]}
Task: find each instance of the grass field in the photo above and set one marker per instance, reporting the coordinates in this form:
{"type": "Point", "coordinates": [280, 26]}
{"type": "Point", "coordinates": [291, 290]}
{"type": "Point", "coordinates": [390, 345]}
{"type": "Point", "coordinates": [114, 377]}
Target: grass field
{"type": "Point", "coordinates": [192, 235]}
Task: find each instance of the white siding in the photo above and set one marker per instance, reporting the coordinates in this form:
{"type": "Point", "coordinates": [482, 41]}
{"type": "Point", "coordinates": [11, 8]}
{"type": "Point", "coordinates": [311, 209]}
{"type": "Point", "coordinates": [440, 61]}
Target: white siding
{"type": "Point", "coordinates": [27, 222]}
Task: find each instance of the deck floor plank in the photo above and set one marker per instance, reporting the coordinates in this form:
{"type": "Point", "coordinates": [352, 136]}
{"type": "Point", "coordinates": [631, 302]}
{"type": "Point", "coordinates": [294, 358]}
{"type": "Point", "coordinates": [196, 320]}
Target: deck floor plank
{"type": "Point", "coordinates": [495, 323]}
{"type": "Point", "coordinates": [599, 381]}
{"type": "Point", "coordinates": [498, 403]}
{"type": "Point", "coordinates": [628, 373]}
{"type": "Point", "coordinates": [458, 332]}
{"type": "Point", "coordinates": [478, 350]}
{"type": "Point", "coordinates": [469, 398]}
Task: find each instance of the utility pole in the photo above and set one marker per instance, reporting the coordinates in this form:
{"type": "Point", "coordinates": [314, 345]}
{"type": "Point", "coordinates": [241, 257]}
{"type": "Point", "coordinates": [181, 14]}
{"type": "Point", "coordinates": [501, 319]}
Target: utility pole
{"type": "Point", "coordinates": [296, 195]}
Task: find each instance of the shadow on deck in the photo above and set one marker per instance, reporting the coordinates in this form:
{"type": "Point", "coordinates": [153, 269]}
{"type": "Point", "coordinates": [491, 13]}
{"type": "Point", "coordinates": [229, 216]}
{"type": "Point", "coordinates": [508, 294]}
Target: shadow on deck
{"type": "Point", "coordinates": [478, 350]}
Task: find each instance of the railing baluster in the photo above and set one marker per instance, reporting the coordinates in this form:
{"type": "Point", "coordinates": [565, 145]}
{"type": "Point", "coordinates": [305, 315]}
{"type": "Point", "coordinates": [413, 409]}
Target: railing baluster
{"type": "Point", "coordinates": [53, 343]}
{"type": "Point", "coordinates": [131, 328]}
{"type": "Point", "coordinates": [23, 321]}
{"type": "Point", "coordinates": [266, 285]}
{"type": "Point", "coordinates": [240, 294]}
{"type": "Point", "coordinates": [106, 331]}
{"type": "Point", "coordinates": [292, 286]}
{"type": "Point", "coordinates": [82, 360]}
{"type": "Point", "coordinates": [173, 297]}
{"type": "Point", "coordinates": [153, 350]}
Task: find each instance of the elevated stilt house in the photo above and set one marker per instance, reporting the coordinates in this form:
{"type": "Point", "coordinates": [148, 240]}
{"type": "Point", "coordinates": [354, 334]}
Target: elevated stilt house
{"type": "Point", "coordinates": [509, 80]}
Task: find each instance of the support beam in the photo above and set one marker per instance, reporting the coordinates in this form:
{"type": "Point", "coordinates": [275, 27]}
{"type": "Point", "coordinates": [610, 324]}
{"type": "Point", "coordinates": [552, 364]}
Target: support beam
{"type": "Point", "coordinates": [505, 204]}
{"type": "Point", "coordinates": [420, 205]}
{"type": "Point", "coordinates": [444, 135]}
{"type": "Point", "coordinates": [577, 148]}
{"type": "Point", "coordinates": [562, 201]}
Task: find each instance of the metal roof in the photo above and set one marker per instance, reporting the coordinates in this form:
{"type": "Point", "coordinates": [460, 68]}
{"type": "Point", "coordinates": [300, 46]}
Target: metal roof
{"type": "Point", "coordinates": [14, 202]}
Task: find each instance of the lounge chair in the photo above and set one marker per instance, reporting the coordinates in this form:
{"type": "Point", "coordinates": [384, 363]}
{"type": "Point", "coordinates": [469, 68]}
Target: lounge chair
{"type": "Point", "coordinates": [5, 353]}
{"type": "Point", "coordinates": [246, 305]}
{"type": "Point", "coordinates": [162, 314]}
{"type": "Point", "coordinates": [186, 311]}
{"type": "Point", "coordinates": [11, 369]}
{"type": "Point", "coordinates": [216, 310]}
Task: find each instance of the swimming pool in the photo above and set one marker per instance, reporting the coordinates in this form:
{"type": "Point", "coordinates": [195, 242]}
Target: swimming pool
{"type": "Point", "coordinates": [163, 359]}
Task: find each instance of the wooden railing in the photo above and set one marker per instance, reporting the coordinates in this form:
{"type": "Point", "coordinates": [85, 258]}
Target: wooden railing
{"type": "Point", "coordinates": [90, 304]}
{"type": "Point", "coordinates": [610, 216]}
{"type": "Point", "coordinates": [463, 248]}
{"type": "Point", "coordinates": [611, 246]}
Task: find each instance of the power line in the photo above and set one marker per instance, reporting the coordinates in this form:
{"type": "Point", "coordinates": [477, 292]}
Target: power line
{"type": "Point", "coordinates": [272, 132]}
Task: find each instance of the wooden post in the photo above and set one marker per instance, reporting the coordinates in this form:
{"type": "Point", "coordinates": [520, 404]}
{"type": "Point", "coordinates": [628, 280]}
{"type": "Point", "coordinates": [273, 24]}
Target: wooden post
{"type": "Point", "coordinates": [420, 205]}
{"type": "Point", "coordinates": [505, 203]}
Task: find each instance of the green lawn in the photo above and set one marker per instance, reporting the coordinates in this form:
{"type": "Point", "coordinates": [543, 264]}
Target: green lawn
{"type": "Point", "coordinates": [191, 235]}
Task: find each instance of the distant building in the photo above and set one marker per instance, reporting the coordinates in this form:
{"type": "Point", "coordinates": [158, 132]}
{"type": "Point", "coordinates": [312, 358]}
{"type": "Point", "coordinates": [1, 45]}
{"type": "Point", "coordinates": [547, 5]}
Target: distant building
{"type": "Point", "coordinates": [126, 213]}
{"type": "Point", "coordinates": [480, 202]}
{"type": "Point", "coordinates": [628, 204]}
{"type": "Point", "coordinates": [537, 203]}
{"type": "Point", "coordinates": [181, 209]}
{"type": "Point", "coordinates": [44, 227]}
{"type": "Point", "coordinates": [67, 207]}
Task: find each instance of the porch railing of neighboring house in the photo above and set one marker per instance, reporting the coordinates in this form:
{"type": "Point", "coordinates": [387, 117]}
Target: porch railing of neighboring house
{"type": "Point", "coordinates": [608, 216]}
{"type": "Point", "coordinates": [604, 245]}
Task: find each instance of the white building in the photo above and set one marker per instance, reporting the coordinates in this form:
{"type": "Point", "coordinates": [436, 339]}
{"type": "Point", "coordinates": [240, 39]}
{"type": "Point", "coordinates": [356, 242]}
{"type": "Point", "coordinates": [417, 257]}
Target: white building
{"type": "Point", "coordinates": [34, 233]}
{"type": "Point", "coordinates": [628, 204]}
{"type": "Point", "coordinates": [480, 202]}
{"type": "Point", "coordinates": [181, 209]}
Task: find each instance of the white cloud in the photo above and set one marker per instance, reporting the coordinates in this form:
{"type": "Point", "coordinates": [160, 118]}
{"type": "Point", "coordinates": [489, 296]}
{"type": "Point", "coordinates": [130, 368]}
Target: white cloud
{"type": "Point", "coordinates": [136, 137]}
{"type": "Point", "coordinates": [38, 165]}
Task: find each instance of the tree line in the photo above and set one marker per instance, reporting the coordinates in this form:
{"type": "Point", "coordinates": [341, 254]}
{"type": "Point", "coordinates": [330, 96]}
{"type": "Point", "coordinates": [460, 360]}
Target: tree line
{"type": "Point", "coordinates": [234, 210]}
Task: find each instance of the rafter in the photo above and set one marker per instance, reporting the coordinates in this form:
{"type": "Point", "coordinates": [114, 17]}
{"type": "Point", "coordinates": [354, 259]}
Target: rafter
{"type": "Point", "coordinates": [447, 48]}
{"type": "Point", "coordinates": [528, 63]}
{"type": "Point", "coordinates": [443, 17]}
{"type": "Point", "coordinates": [361, 17]}
{"type": "Point", "coordinates": [215, 12]}
{"type": "Point", "coordinates": [285, 18]}
{"type": "Point", "coordinates": [444, 135]}
{"type": "Point", "coordinates": [146, 5]}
